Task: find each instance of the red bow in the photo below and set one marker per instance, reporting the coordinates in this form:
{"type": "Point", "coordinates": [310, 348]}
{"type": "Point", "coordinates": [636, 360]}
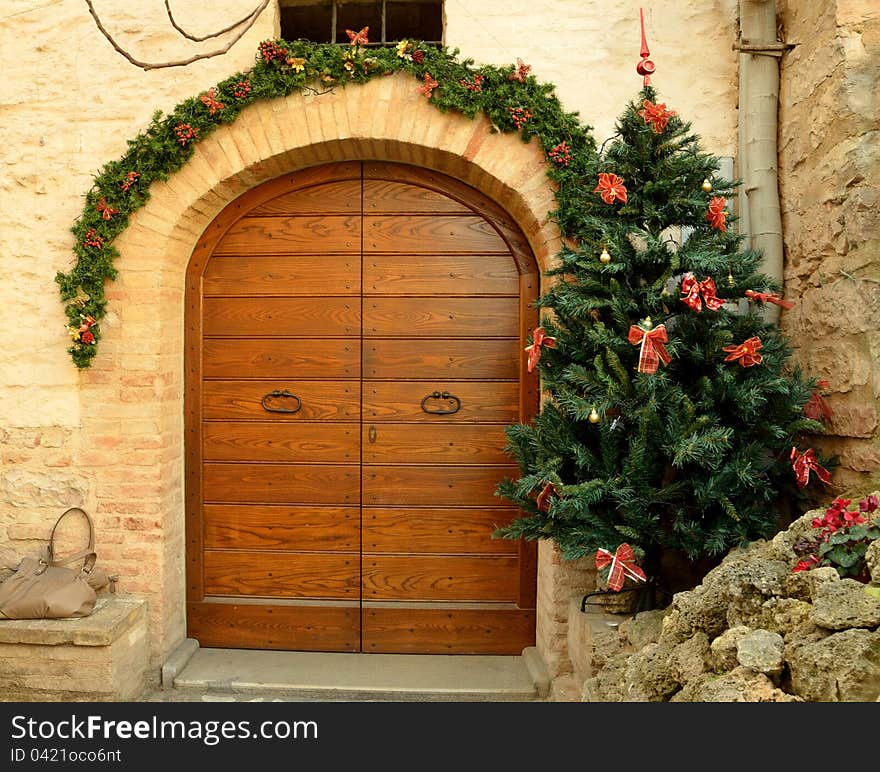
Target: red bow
{"type": "Point", "coordinates": [802, 463]}
{"type": "Point", "coordinates": [769, 297]}
{"type": "Point", "coordinates": [430, 85]}
{"type": "Point", "coordinates": [358, 38]}
{"type": "Point", "coordinates": [816, 406]}
{"type": "Point", "coordinates": [209, 100]}
{"type": "Point", "coordinates": [653, 351]}
{"type": "Point", "coordinates": [716, 214]}
{"type": "Point", "coordinates": [540, 339]}
{"type": "Point", "coordinates": [610, 187]}
{"type": "Point", "coordinates": [547, 493]}
{"type": "Point", "coordinates": [521, 72]}
{"type": "Point", "coordinates": [105, 209]}
{"type": "Point", "coordinates": [657, 116]}
{"type": "Point", "coordinates": [623, 566]}
{"type": "Point", "coordinates": [692, 289]}
{"type": "Point", "coordinates": [746, 352]}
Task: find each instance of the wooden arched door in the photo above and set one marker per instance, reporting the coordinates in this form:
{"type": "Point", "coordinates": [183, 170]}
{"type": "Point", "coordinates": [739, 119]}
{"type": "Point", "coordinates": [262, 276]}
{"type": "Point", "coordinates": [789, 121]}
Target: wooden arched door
{"type": "Point", "coordinates": [355, 338]}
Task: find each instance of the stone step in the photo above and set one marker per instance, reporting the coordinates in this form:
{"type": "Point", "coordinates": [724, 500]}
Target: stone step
{"type": "Point", "coordinates": [378, 677]}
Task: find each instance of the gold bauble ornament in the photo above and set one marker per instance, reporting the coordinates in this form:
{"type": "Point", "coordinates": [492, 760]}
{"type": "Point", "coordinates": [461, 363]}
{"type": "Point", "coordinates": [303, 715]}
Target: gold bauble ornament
{"type": "Point", "coordinates": [594, 416]}
{"type": "Point", "coordinates": [730, 280]}
{"type": "Point", "coordinates": [707, 186]}
{"type": "Point", "coordinates": [604, 257]}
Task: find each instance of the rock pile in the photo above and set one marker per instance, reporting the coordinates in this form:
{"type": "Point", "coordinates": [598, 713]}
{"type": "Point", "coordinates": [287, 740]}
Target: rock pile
{"type": "Point", "coordinates": [753, 631]}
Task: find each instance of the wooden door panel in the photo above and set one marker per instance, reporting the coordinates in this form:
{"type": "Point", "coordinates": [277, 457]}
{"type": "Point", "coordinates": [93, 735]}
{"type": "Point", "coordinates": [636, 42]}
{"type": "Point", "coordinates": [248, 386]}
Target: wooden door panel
{"type": "Point", "coordinates": [413, 274]}
{"type": "Point", "coordinates": [282, 575]}
{"type": "Point", "coordinates": [323, 317]}
{"type": "Point", "coordinates": [441, 317]}
{"type": "Point", "coordinates": [396, 198]}
{"type": "Point", "coordinates": [401, 401]}
{"type": "Point", "coordinates": [227, 483]}
{"type": "Point", "coordinates": [302, 442]}
{"type": "Point", "coordinates": [400, 485]}
{"type": "Point", "coordinates": [277, 527]}
{"type": "Point", "coordinates": [284, 626]}
{"type": "Point", "coordinates": [440, 577]}
{"type": "Point", "coordinates": [281, 358]}
{"type": "Point", "coordinates": [446, 358]}
{"type": "Point", "coordinates": [331, 198]}
{"type": "Point", "coordinates": [300, 275]}
{"type": "Point", "coordinates": [439, 444]}
{"type": "Point", "coordinates": [292, 235]}
{"type": "Point", "coordinates": [461, 530]}
{"type": "Point", "coordinates": [414, 234]}
{"type": "Point", "coordinates": [402, 629]}
{"type": "Point", "coordinates": [321, 400]}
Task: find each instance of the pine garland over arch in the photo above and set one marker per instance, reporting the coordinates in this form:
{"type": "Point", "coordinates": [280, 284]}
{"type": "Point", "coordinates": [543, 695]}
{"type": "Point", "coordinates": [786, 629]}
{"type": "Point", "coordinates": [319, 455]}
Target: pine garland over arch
{"type": "Point", "coordinates": [511, 98]}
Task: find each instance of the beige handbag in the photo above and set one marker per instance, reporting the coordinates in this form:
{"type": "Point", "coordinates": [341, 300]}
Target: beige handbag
{"type": "Point", "coordinates": [42, 588]}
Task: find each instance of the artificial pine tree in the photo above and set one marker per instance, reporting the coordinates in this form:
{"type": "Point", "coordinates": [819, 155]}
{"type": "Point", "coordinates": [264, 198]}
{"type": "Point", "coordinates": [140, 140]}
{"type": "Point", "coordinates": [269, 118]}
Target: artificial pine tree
{"type": "Point", "coordinates": [679, 446]}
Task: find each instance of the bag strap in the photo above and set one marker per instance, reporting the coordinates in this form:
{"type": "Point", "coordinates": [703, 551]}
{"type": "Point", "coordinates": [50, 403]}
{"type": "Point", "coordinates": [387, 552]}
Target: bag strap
{"type": "Point", "coordinates": [88, 555]}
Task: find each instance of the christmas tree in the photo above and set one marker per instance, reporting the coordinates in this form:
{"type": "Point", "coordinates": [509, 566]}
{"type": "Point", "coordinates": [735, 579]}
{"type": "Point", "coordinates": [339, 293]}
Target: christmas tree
{"type": "Point", "coordinates": [670, 411]}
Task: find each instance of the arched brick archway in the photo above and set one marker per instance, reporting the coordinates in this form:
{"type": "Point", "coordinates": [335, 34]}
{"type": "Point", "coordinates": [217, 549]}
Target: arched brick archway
{"type": "Point", "coordinates": [141, 368]}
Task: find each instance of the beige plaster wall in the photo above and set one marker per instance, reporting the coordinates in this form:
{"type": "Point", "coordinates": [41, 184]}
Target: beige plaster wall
{"type": "Point", "coordinates": [110, 438]}
{"type": "Point", "coordinates": [830, 186]}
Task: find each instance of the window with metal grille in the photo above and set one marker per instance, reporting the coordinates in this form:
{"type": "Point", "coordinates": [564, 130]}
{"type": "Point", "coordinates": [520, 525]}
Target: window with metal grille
{"type": "Point", "coordinates": [325, 21]}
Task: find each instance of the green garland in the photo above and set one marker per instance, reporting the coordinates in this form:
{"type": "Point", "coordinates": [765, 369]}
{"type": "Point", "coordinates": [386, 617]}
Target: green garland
{"type": "Point", "coordinates": [509, 96]}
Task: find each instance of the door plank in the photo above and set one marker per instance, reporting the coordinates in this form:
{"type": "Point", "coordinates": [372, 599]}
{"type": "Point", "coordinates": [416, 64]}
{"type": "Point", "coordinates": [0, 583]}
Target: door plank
{"type": "Point", "coordinates": [413, 274]}
{"type": "Point", "coordinates": [281, 358]}
{"type": "Point", "coordinates": [400, 485]}
{"type": "Point", "coordinates": [321, 400]}
{"type": "Point", "coordinates": [312, 317]}
{"type": "Point", "coordinates": [292, 235]}
{"type": "Point", "coordinates": [401, 401]}
{"type": "Point", "coordinates": [439, 444]}
{"type": "Point", "coordinates": [226, 483]}
{"type": "Point", "coordinates": [274, 626]}
{"type": "Point", "coordinates": [439, 577]}
{"type": "Point", "coordinates": [239, 526]}
{"type": "Point", "coordinates": [282, 575]}
{"type": "Point", "coordinates": [302, 442]}
{"type": "Point", "coordinates": [403, 630]}
{"type": "Point", "coordinates": [440, 530]}
{"type": "Point", "coordinates": [330, 198]}
{"type": "Point", "coordinates": [443, 358]}
{"type": "Point", "coordinates": [441, 316]}
{"type": "Point", "coordinates": [387, 197]}
{"type": "Point", "coordinates": [414, 234]}
{"type": "Point", "coordinates": [300, 275]}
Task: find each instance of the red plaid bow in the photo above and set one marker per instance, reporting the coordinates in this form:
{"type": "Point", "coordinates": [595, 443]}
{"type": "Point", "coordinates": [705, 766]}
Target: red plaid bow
{"type": "Point", "coordinates": [653, 351]}
{"type": "Point", "coordinates": [547, 493]}
{"type": "Point", "coordinates": [717, 216]}
{"type": "Point", "coordinates": [540, 339]}
{"type": "Point", "coordinates": [802, 463]}
{"type": "Point", "coordinates": [769, 297]}
{"type": "Point", "coordinates": [623, 566]}
{"type": "Point", "coordinates": [691, 289]}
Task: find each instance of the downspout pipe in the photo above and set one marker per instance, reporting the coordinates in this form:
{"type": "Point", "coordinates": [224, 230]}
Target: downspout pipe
{"type": "Point", "coordinates": [759, 210]}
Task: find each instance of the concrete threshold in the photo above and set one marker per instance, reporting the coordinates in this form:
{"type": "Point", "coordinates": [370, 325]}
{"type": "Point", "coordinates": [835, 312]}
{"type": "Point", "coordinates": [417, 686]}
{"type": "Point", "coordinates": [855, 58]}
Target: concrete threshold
{"type": "Point", "coordinates": [360, 677]}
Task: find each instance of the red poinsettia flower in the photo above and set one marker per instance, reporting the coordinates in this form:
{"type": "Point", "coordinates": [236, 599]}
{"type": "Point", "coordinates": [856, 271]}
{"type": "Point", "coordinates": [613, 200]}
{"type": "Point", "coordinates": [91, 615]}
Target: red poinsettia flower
{"type": "Point", "coordinates": [521, 72]}
{"type": "Point", "coordinates": [746, 352]}
{"type": "Point", "coordinates": [611, 188]}
{"type": "Point", "coordinates": [716, 215]}
{"type": "Point", "coordinates": [655, 116]}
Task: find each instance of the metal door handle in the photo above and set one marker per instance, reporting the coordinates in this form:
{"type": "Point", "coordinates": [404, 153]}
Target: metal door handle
{"type": "Point", "coordinates": [453, 407]}
{"type": "Point", "coordinates": [280, 394]}
{"type": "Point", "coordinates": [372, 434]}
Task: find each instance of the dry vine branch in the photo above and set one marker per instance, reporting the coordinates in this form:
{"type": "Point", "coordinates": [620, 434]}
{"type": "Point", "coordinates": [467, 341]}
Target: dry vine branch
{"type": "Point", "coordinates": [189, 36]}
{"type": "Point", "coordinates": [248, 22]}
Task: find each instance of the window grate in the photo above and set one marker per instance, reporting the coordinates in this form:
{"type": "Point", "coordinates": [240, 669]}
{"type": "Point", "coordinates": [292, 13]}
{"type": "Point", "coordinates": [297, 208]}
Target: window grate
{"type": "Point", "coordinates": [390, 21]}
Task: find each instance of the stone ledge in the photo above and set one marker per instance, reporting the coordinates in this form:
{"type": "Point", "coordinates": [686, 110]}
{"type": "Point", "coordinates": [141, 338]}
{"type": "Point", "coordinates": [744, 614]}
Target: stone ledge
{"type": "Point", "coordinates": [111, 618]}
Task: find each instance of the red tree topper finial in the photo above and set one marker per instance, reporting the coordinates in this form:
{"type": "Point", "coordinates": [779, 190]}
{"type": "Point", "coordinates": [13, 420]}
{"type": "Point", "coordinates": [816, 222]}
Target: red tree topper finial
{"type": "Point", "coordinates": [645, 67]}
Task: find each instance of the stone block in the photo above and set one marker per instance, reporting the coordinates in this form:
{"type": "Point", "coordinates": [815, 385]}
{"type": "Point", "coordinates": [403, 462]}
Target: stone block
{"type": "Point", "coordinates": [103, 657]}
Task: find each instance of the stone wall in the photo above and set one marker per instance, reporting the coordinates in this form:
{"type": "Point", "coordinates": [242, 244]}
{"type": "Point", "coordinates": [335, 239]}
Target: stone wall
{"type": "Point", "coordinates": [830, 185]}
{"type": "Point", "coordinates": [110, 438]}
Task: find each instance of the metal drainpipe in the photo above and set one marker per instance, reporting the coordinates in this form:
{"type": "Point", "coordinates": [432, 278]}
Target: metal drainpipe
{"type": "Point", "coordinates": [759, 212]}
